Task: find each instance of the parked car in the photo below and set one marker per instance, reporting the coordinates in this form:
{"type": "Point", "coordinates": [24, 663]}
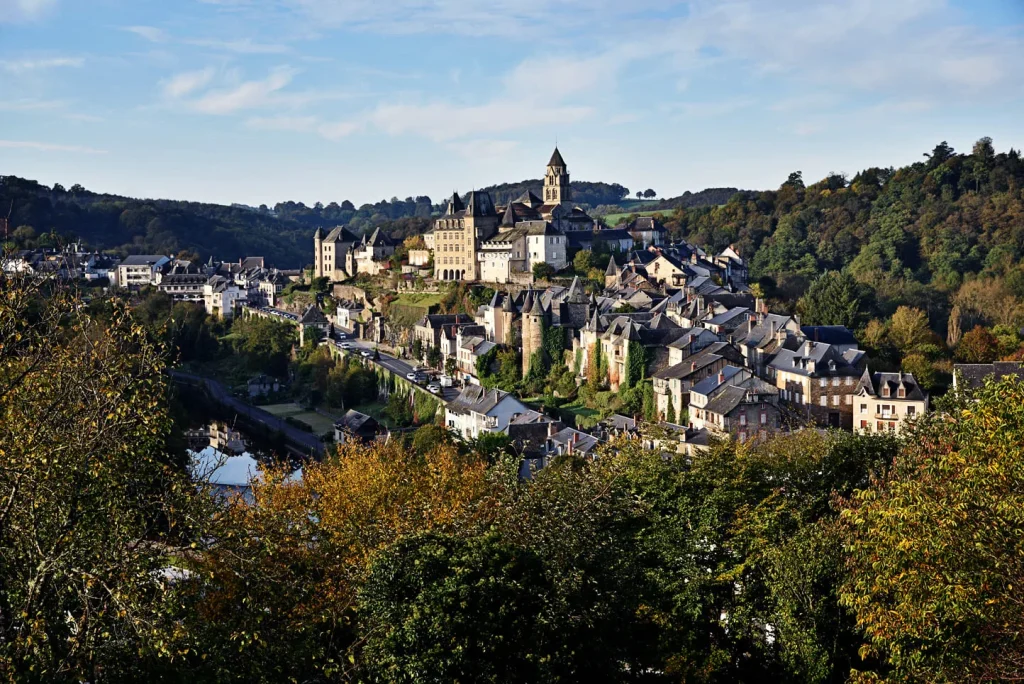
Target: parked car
{"type": "Point", "coordinates": [434, 389]}
{"type": "Point", "coordinates": [365, 353]}
{"type": "Point", "coordinates": [446, 381]}
{"type": "Point", "coordinates": [410, 376]}
{"type": "Point", "coordinates": [346, 345]}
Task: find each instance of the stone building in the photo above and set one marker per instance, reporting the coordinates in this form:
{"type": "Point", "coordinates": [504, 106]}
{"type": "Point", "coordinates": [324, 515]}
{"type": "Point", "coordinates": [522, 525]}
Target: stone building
{"type": "Point", "coordinates": [885, 401]}
{"type": "Point", "coordinates": [535, 317]}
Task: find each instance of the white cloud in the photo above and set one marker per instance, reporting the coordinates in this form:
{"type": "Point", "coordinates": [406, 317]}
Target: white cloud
{"type": "Point", "coordinates": [30, 105]}
{"type": "Point", "coordinates": [48, 147]}
{"type": "Point", "coordinates": [246, 95]}
{"type": "Point", "coordinates": [21, 66]}
{"type": "Point", "coordinates": [242, 47]}
{"type": "Point", "coordinates": [185, 83]}
{"type": "Point", "coordinates": [150, 33]}
{"type": "Point", "coordinates": [19, 10]}
{"type": "Point", "coordinates": [297, 124]}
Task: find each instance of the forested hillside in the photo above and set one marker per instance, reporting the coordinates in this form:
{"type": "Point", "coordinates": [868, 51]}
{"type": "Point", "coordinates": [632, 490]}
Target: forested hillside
{"type": "Point", "coordinates": [583, 192]}
{"type": "Point", "coordinates": [947, 231]}
{"type": "Point", "coordinates": [126, 225]}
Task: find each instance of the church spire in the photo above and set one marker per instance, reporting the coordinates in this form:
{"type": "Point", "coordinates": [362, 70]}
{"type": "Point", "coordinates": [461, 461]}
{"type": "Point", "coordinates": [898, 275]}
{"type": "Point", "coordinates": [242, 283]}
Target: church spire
{"type": "Point", "coordinates": [556, 181]}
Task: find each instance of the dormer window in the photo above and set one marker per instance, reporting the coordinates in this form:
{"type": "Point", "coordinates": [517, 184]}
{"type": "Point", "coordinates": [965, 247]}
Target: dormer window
{"type": "Point", "coordinates": [885, 391]}
{"type": "Point", "coordinates": [901, 393]}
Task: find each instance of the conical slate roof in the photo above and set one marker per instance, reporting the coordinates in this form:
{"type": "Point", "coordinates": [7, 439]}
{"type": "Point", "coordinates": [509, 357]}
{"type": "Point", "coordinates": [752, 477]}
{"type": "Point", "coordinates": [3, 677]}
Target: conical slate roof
{"type": "Point", "coordinates": [556, 158]}
{"type": "Point", "coordinates": [318, 235]}
{"type": "Point", "coordinates": [510, 217]}
{"type": "Point", "coordinates": [455, 204]}
{"type": "Point", "coordinates": [613, 268]}
{"type": "Point", "coordinates": [506, 305]}
{"type": "Point", "coordinates": [538, 306]}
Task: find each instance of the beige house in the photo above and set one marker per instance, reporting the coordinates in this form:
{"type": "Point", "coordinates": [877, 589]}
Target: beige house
{"type": "Point", "coordinates": [885, 401]}
{"type": "Point", "coordinates": [672, 385]}
{"type": "Point", "coordinates": [818, 381]}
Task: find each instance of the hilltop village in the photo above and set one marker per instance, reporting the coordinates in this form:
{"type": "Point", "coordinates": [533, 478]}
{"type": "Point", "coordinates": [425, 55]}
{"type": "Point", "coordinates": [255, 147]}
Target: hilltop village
{"type": "Point", "coordinates": [534, 321]}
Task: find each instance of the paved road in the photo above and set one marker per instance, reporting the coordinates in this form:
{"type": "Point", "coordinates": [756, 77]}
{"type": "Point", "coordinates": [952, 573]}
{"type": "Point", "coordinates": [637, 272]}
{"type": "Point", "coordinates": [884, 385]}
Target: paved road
{"type": "Point", "coordinates": [395, 365]}
{"type": "Point", "coordinates": [297, 437]}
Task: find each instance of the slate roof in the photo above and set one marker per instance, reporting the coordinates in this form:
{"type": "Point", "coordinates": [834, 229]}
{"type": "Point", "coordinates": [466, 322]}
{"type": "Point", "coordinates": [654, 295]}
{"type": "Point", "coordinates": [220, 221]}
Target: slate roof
{"type": "Point", "coordinates": [479, 203]}
{"type": "Point", "coordinates": [830, 334]}
{"type": "Point", "coordinates": [704, 357]}
{"type": "Point", "coordinates": [455, 205]}
{"type": "Point", "coordinates": [732, 396]}
{"type": "Point", "coordinates": [873, 383]}
{"type": "Point", "coordinates": [341, 234]}
{"type": "Point", "coordinates": [312, 316]}
{"type": "Point", "coordinates": [798, 360]}
{"type": "Point", "coordinates": [556, 158]}
{"type": "Point", "coordinates": [619, 422]}
{"type": "Point", "coordinates": [730, 316]}
{"type": "Point", "coordinates": [584, 443]}
{"type": "Point", "coordinates": [975, 374]}
{"type": "Point", "coordinates": [476, 399]}
{"type": "Point", "coordinates": [142, 259]}
{"type": "Point", "coordinates": [354, 421]}
{"type": "Point", "coordinates": [379, 239]}
{"type": "Point", "coordinates": [708, 385]}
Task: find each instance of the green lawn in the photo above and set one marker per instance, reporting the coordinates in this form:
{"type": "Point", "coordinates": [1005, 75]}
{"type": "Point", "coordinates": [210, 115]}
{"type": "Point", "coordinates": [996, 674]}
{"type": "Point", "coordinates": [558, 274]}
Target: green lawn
{"type": "Point", "coordinates": [419, 299]}
{"type": "Point", "coordinates": [615, 219]}
{"type": "Point", "coordinates": [318, 422]}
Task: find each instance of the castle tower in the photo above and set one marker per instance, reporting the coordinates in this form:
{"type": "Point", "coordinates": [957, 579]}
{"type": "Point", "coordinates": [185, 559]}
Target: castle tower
{"type": "Point", "coordinates": [556, 182]}
{"type": "Point", "coordinates": [611, 274]}
{"type": "Point", "coordinates": [318, 253]}
{"type": "Point", "coordinates": [533, 332]}
{"type": "Point", "coordinates": [507, 315]}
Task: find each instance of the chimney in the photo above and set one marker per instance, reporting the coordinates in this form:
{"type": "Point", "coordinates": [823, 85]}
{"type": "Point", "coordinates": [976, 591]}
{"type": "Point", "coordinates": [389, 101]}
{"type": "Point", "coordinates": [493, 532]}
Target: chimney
{"type": "Point", "coordinates": [721, 377]}
{"type": "Point", "coordinates": [693, 365]}
{"type": "Point", "coordinates": [552, 428]}
{"type": "Point", "coordinates": [808, 348]}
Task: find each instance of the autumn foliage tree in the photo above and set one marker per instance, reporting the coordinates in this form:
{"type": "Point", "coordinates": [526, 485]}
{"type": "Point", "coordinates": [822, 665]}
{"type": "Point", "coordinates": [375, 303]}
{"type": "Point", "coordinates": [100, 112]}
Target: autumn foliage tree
{"type": "Point", "coordinates": [934, 549]}
{"type": "Point", "coordinates": [90, 500]}
{"type": "Point", "coordinates": [978, 346]}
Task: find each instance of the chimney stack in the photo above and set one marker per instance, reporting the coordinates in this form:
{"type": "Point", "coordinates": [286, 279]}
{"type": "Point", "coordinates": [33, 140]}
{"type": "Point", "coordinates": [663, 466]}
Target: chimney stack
{"type": "Point", "coordinates": [721, 377]}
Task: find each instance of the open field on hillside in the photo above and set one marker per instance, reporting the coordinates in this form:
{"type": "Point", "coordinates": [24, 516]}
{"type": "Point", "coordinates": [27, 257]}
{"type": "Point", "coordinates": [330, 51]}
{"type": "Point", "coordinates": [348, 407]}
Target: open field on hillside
{"type": "Point", "coordinates": [615, 219]}
{"type": "Point", "coordinates": [319, 423]}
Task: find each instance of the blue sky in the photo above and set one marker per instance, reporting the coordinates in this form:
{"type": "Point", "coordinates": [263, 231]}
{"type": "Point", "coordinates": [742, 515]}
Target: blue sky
{"type": "Point", "coordinates": [260, 101]}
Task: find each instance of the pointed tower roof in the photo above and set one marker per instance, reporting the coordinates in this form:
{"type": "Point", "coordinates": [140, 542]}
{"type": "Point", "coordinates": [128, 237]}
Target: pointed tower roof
{"type": "Point", "coordinates": [575, 293]}
{"type": "Point", "coordinates": [528, 301]}
{"type": "Point", "coordinates": [318, 235]}
{"type": "Point", "coordinates": [613, 268]}
{"type": "Point", "coordinates": [479, 204]}
{"type": "Point", "coordinates": [595, 322]}
{"type": "Point", "coordinates": [506, 305]}
{"type": "Point", "coordinates": [455, 204]}
{"type": "Point", "coordinates": [538, 306]}
{"type": "Point", "coordinates": [510, 217]}
{"type": "Point", "coordinates": [556, 158]}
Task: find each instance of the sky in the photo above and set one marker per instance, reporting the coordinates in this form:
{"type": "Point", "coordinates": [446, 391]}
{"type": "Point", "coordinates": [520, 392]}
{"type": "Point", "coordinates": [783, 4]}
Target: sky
{"type": "Point", "coordinates": [261, 101]}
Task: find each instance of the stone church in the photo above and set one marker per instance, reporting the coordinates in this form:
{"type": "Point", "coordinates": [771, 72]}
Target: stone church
{"type": "Point", "coordinates": [478, 241]}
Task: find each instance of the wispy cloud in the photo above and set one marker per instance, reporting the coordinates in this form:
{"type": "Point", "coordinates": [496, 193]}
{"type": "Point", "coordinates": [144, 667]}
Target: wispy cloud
{"type": "Point", "coordinates": [246, 95]}
{"type": "Point", "coordinates": [20, 66]}
{"type": "Point", "coordinates": [28, 105]}
{"type": "Point", "coordinates": [48, 147]}
{"type": "Point", "coordinates": [182, 84]}
{"type": "Point", "coordinates": [150, 33]}
{"type": "Point", "coordinates": [241, 47]}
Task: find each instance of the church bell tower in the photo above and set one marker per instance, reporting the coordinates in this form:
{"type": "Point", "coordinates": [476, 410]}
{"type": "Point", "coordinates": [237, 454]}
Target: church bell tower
{"type": "Point", "coordinates": [556, 182]}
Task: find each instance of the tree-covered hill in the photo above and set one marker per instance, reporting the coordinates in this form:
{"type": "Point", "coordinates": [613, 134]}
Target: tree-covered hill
{"type": "Point", "coordinates": [43, 215]}
{"type": "Point", "coordinates": [946, 231]}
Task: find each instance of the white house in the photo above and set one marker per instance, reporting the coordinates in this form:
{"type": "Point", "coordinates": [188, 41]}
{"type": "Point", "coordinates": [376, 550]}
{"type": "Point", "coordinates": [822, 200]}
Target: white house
{"type": "Point", "coordinates": [545, 244]}
{"type": "Point", "coordinates": [139, 270]}
{"type": "Point", "coordinates": [478, 410]}
{"type": "Point", "coordinates": [220, 296]}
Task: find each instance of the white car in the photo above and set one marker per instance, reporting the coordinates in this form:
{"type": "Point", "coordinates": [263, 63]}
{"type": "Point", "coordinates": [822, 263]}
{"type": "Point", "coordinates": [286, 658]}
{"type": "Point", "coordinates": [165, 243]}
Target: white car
{"type": "Point", "coordinates": [434, 389]}
{"type": "Point", "coordinates": [410, 376]}
{"type": "Point", "coordinates": [346, 345]}
{"type": "Point", "coordinates": [365, 353]}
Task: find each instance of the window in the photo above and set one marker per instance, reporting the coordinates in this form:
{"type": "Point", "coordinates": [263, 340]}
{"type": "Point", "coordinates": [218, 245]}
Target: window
{"type": "Point", "coordinates": [885, 392]}
{"type": "Point", "coordinates": [863, 408]}
{"type": "Point", "coordinates": [823, 382]}
{"type": "Point", "coordinates": [835, 382]}
{"type": "Point", "coordinates": [880, 426]}
{"type": "Point", "coordinates": [764, 418]}
{"type": "Point", "coordinates": [849, 400]}
{"type": "Point", "coordinates": [863, 425]}
{"type": "Point", "coordinates": [835, 400]}
{"type": "Point", "coordinates": [911, 411]}
{"type": "Point", "coordinates": [901, 393]}
{"type": "Point", "coordinates": [849, 380]}
{"type": "Point", "coordinates": [743, 419]}
{"type": "Point", "coordinates": [824, 401]}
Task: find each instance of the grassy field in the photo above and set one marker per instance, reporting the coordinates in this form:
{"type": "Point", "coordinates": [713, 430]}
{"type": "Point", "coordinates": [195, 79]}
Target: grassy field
{"type": "Point", "coordinates": [616, 219]}
{"type": "Point", "coordinates": [319, 423]}
{"type": "Point", "coordinates": [420, 299]}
